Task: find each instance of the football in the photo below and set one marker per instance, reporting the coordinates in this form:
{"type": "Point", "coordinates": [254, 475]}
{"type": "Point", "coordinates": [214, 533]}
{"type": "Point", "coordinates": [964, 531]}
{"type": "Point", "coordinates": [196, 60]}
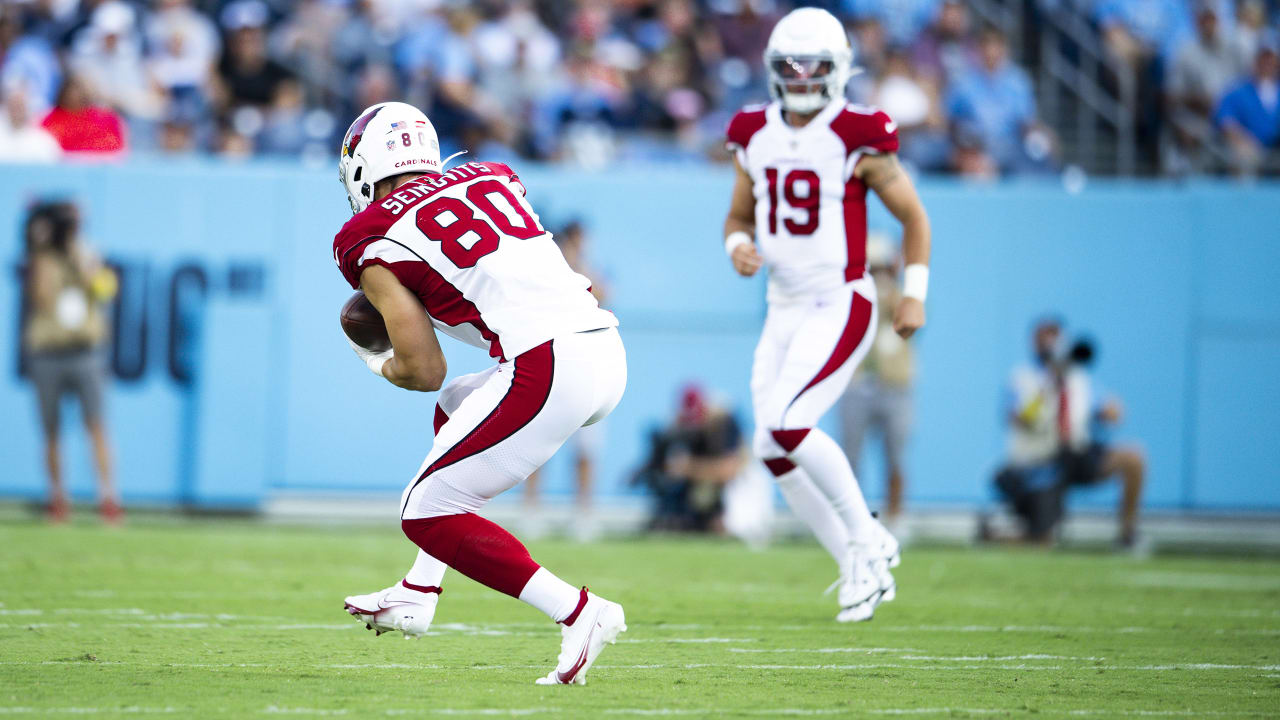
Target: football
{"type": "Point", "coordinates": [362, 322]}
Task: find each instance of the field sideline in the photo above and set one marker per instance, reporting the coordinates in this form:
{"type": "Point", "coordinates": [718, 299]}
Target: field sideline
{"type": "Point", "coordinates": [229, 619]}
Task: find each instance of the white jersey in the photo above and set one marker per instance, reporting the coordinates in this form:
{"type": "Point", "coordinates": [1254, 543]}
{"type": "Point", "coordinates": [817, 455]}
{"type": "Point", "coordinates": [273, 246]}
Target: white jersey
{"type": "Point", "coordinates": [811, 212]}
{"type": "Point", "coordinates": [469, 245]}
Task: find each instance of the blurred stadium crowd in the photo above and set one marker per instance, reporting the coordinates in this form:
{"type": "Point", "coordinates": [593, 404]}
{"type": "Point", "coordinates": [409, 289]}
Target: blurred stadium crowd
{"type": "Point", "coordinates": [589, 82]}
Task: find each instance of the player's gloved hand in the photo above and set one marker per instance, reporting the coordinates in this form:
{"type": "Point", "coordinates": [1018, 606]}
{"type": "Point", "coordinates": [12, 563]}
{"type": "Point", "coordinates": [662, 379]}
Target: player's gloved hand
{"type": "Point", "coordinates": [374, 360]}
{"type": "Point", "coordinates": [746, 260]}
{"type": "Point", "coordinates": [909, 317]}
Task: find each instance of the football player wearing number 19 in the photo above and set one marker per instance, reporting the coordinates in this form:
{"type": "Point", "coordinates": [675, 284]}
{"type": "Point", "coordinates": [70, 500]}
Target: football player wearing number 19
{"type": "Point", "coordinates": [804, 165]}
{"type": "Point", "coordinates": [462, 252]}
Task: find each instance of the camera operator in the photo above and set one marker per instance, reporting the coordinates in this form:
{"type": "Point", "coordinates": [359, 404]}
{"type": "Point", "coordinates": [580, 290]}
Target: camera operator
{"type": "Point", "coordinates": [691, 462]}
{"type": "Point", "coordinates": [1053, 412]}
{"type": "Point", "coordinates": [66, 289]}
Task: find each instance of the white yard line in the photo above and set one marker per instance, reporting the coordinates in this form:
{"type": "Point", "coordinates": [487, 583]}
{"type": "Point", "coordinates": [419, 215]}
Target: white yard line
{"type": "Point", "coordinates": [906, 654]}
{"type": "Point", "coordinates": [637, 712]}
{"type": "Point", "coordinates": [940, 663]}
{"type": "Point", "coordinates": [141, 618]}
{"type": "Point", "coordinates": [695, 641]}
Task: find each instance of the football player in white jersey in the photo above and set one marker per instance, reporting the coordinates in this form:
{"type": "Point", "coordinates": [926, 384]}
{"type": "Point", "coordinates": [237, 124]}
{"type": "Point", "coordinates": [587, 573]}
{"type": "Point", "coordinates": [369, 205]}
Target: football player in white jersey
{"type": "Point", "coordinates": [804, 164]}
{"type": "Point", "coordinates": [462, 252]}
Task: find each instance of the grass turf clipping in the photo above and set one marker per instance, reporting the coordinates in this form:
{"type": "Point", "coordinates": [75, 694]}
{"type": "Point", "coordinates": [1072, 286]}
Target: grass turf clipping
{"type": "Point", "coordinates": [225, 619]}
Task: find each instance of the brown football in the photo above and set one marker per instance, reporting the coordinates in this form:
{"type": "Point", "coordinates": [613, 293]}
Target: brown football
{"type": "Point", "coordinates": [362, 322]}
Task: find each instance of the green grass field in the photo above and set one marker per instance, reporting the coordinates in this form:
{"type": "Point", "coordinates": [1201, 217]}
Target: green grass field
{"type": "Point", "coordinates": [227, 619]}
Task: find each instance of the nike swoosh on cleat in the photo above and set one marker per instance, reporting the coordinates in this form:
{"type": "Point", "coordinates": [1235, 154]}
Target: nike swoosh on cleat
{"type": "Point", "coordinates": [567, 677]}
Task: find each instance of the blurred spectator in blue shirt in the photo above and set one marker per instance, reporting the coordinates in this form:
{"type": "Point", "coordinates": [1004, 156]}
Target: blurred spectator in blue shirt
{"type": "Point", "coordinates": [742, 28]}
{"type": "Point", "coordinates": [902, 19]}
{"type": "Point", "coordinates": [27, 61]}
{"type": "Point", "coordinates": [1249, 115]}
{"type": "Point", "coordinates": [360, 40]}
{"type": "Point", "coordinates": [1134, 29]}
{"type": "Point", "coordinates": [946, 49]}
{"type": "Point", "coordinates": [992, 107]}
{"type": "Point", "coordinates": [574, 120]}
{"type": "Point", "coordinates": [1201, 69]}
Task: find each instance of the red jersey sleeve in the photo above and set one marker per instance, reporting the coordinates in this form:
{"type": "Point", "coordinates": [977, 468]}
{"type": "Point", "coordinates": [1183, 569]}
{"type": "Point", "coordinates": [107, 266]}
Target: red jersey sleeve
{"type": "Point", "coordinates": [352, 249]}
{"type": "Point", "coordinates": [866, 130]}
{"type": "Point", "coordinates": [743, 127]}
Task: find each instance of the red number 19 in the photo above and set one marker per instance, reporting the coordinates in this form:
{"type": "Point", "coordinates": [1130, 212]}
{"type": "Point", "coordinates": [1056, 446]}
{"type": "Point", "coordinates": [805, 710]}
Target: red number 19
{"type": "Point", "coordinates": [808, 201]}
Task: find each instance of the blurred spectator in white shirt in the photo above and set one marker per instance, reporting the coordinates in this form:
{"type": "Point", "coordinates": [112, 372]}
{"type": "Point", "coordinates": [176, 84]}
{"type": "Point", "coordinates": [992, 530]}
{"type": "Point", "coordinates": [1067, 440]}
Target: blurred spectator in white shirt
{"type": "Point", "coordinates": [22, 139]}
{"type": "Point", "coordinates": [183, 48]}
{"type": "Point", "coordinates": [516, 57]}
{"type": "Point", "coordinates": [107, 54]}
{"type": "Point", "coordinates": [305, 41]}
{"type": "Point", "coordinates": [1251, 25]}
{"type": "Point", "coordinates": [913, 103]}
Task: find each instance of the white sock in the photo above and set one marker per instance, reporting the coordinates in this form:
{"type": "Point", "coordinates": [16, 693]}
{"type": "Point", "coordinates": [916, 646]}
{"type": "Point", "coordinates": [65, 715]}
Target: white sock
{"type": "Point", "coordinates": [551, 595]}
{"type": "Point", "coordinates": [426, 571]}
{"type": "Point", "coordinates": [824, 462]}
{"type": "Point", "coordinates": [808, 502]}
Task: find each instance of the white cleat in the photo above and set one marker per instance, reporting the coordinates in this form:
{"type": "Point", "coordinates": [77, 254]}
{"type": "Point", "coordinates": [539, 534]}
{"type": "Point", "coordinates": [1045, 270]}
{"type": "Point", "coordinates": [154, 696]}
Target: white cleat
{"type": "Point", "coordinates": [861, 587]}
{"type": "Point", "coordinates": [887, 547]}
{"type": "Point", "coordinates": [580, 644]}
{"type": "Point", "coordinates": [396, 608]}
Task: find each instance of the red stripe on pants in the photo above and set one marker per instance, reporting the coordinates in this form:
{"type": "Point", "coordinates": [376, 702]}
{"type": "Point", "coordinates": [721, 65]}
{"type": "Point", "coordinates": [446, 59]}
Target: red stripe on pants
{"type": "Point", "coordinates": [854, 330]}
{"type": "Point", "coordinates": [530, 388]}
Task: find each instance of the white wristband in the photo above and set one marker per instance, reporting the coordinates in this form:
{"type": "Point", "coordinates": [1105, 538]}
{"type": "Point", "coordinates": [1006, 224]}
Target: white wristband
{"type": "Point", "coordinates": [735, 238]}
{"type": "Point", "coordinates": [375, 362]}
{"type": "Point", "coordinates": [372, 360]}
{"type": "Point", "coordinates": [915, 281]}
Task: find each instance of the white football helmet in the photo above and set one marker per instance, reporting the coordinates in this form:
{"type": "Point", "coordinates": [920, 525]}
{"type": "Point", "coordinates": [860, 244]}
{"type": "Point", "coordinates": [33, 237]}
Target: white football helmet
{"type": "Point", "coordinates": [386, 139]}
{"type": "Point", "coordinates": [809, 60]}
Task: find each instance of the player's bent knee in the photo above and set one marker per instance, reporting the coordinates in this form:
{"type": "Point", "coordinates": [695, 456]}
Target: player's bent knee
{"type": "Point", "coordinates": [789, 439]}
{"type": "Point", "coordinates": [776, 442]}
{"type": "Point", "coordinates": [779, 467]}
{"type": "Point", "coordinates": [764, 446]}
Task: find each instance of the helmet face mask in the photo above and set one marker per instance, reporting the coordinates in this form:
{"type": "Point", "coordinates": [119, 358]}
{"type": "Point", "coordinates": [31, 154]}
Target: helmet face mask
{"type": "Point", "coordinates": [808, 60]}
{"type": "Point", "coordinates": [386, 139]}
{"type": "Point", "coordinates": [803, 83]}
{"type": "Point", "coordinates": [351, 175]}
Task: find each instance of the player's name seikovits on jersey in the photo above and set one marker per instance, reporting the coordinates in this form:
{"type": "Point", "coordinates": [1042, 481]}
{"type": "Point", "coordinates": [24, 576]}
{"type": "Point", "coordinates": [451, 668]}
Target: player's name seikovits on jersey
{"type": "Point", "coordinates": [407, 195]}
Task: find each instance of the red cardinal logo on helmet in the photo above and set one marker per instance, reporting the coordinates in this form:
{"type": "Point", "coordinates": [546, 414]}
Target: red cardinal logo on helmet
{"type": "Point", "coordinates": [356, 131]}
